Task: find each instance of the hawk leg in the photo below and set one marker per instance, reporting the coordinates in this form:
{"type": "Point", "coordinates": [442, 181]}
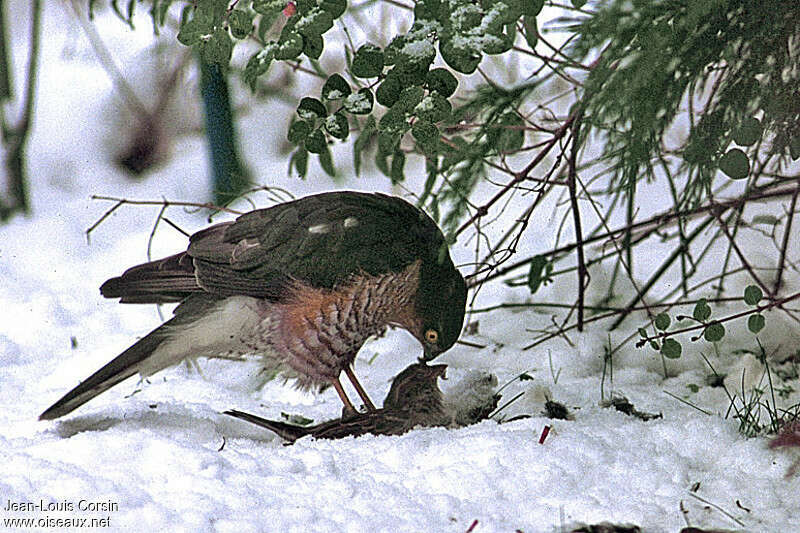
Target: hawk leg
{"type": "Point", "coordinates": [359, 389]}
{"type": "Point", "coordinates": [348, 405]}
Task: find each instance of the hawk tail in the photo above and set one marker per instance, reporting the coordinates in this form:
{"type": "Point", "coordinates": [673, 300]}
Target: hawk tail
{"type": "Point", "coordinates": [120, 368]}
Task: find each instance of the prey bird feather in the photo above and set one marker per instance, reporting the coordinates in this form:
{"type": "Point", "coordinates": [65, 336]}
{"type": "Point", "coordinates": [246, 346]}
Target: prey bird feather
{"type": "Point", "coordinates": [413, 400]}
{"type": "Point", "coordinates": [302, 285]}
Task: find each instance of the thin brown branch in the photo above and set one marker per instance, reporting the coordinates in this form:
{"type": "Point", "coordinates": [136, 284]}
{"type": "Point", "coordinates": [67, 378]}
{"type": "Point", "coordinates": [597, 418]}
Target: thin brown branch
{"type": "Point", "coordinates": [520, 176]}
{"type": "Point", "coordinates": [785, 244]}
{"type": "Point", "coordinates": [576, 216]}
{"type": "Point", "coordinates": [655, 222]}
{"type": "Point", "coordinates": [200, 205]}
{"type": "Point", "coordinates": [153, 232]}
{"type": "Point", "coordinates": [163, 203]}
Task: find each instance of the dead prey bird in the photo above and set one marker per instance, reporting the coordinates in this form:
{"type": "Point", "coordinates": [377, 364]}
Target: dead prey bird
{"type": "Point", "coordinates": [414, 399]}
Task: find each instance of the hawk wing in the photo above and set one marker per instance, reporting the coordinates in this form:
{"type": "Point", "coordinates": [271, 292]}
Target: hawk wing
{"type": "Point", "coordinates": [320, 240]}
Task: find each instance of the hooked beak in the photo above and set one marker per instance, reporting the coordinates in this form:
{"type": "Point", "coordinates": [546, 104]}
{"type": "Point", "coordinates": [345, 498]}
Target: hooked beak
{"type": "Point", "coordinates": [427, 355]}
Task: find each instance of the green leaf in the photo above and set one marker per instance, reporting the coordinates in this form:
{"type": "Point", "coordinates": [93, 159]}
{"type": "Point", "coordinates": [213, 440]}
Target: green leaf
{"type": "Point", "coordinates": [367, 133]}
{"type": "Point", "coordinates": [693, 388]}
{"type": "Point", "coordinates": [337, 126]}
{"type": "Point", "coordinates": [768, 220]}
{"type": "Point", "coordinates": [314, 22]}
{"type": "Point", "coordinates": [381, 158]}
{"type": "Point", "coordinates": [536, 273]}
{"type": "Point", "coordinates": [501, 13]}
{"type": "Point", "coordinates": [326, 162]}
{"type": "Point", "coordinates": [368, 61]}
{"type": "Point", "coordinates": [531, 8]}
{"type": "Point", "coordinates": [315, 142]}
{"type": "Point", "coordinates": [671, 349]}
{"type": "Point", "coordinates": [433, 108]}
{"type": "Point", "coordinates": [193, 31]}
{"type": "Point", "coordinates": [415, 56]}
{"type": "Point", "coordinates": [359, 103]}
{"type": "Point", "coordinates": [311, 109]}
{"type": "Point", "coordinates": [756, 322]}
{"type": "Point", "coordinates": [654, 345]}
{"type": "Point", "coordinates": [241, 23]}
{"type": "Point", "coordinates": [216, 9]}
{"type": "Point", "coordinates": [387, 143]}
{"type": "Point", "coordinates": [389, 90]}
{"type": "Point", "coordinates": [642, 333]}
{"type": "Point", "coordinates": [748, 133]}
{"type": "Point", "coordinates": [794, 148]}
{"type": "Point", "coordinates": [426, 135]}
{"type": "Point", "coordinates": [714, 332]}
{"type": "Point", "coordinates": [299, 161]}
{"type": "Point", "coordinates": [269, 7]}
{"type": "Point", "coordinates": [409, 98]}
{"type": "Point", "coordinates": [298, 131]}
{"type": "Point", "coordinates": [392, 50]}
{"type": "Point", "coordinates": [701, 310]}
{"type": "Point", "coordinates": [441, 81]}
{"type": "Point", "coordinates": [468, 17]}
{"type": "Point", "coordinates": [313, 46]}
{"type": "Point", "coordinates": [427, 9]}
{"type": "Point", "coordinates": [752, 295]}
{"type": "Point", "coordinates": [530, 31]}
{"type": "Point", "coordinates": [735, 164]}
{"type": "Point", "coordinates": [398, 163]}
{"type": "Point", "coordinates": [218, 49]}
{"type": "Point", "coordinates": [578, 3]}
{"type": "Point", "coordinates": [458, 55]}
{"type": "Point", "coordinates": [258, 65]}
{"type": "Point", "coordinates": [394, 122]}
{"type": "Point", "coordinates": [290, 45]}
{"type": "Point", "coordinates": [335, 8]}
{"type": "Point", "coordinates": [662, 321]}
{"type": "Point", "coordinates": [335, 87]}
{"type": "Point", "coordinates": [497, 44]}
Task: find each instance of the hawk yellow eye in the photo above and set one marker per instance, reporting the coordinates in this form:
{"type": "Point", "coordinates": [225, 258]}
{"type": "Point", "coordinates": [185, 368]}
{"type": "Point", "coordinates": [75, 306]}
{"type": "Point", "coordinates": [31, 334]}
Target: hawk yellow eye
{"type": "Point", "coordinates": [432, 336]}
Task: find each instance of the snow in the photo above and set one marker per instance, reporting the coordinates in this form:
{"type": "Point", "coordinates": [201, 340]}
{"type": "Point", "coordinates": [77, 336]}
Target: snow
{"type": "Point", "coordinates": [161, 456]}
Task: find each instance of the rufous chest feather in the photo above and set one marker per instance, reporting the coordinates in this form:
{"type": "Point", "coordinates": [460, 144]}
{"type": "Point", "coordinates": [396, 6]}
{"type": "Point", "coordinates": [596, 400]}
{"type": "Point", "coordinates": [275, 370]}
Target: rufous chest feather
{"type": "Point", "coordinates": [361, 306]}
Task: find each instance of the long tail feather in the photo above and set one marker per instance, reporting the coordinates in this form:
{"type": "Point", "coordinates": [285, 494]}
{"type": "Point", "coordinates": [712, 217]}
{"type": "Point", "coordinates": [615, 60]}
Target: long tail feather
{"type": "Point", "coordinates": [287, 432]}
{"type": "Point", "coordinates": [120, 368]}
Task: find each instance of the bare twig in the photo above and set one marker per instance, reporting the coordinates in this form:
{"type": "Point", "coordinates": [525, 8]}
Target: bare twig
{"type": "Point", "coordinates": [785, 245]}
{"type": "Point", "coordinates": [655, 222]}
{"type": "Point", "coordinates": [576, 216]}
{"type": "Point", "coordinates": [163, 203]}
{"type": "Point", "coordinates": [662, 269]}
{"type": "Point", "coordinates": [519, 176]}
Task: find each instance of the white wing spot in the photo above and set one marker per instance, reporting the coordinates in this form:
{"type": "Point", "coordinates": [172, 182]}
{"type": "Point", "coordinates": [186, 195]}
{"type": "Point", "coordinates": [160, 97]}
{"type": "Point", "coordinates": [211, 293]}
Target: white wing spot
{"type": "Point", "coordinates": [242, 246]}
{"type": "Point", "coordinates": [350, 222]}
{"type": "Point", "coordinates": [319, 228]}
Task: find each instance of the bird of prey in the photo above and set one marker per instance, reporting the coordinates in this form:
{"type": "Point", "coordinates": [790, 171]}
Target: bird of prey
{"type": "Point", "coordinates": [302, 284]}
{"type": "Point", "coordinates": [413, 400]}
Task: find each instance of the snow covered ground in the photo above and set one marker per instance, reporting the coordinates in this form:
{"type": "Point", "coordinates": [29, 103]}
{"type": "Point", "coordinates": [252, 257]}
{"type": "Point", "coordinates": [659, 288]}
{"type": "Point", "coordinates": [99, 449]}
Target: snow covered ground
{"type": "Point", "coordinates": [160, 456]}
